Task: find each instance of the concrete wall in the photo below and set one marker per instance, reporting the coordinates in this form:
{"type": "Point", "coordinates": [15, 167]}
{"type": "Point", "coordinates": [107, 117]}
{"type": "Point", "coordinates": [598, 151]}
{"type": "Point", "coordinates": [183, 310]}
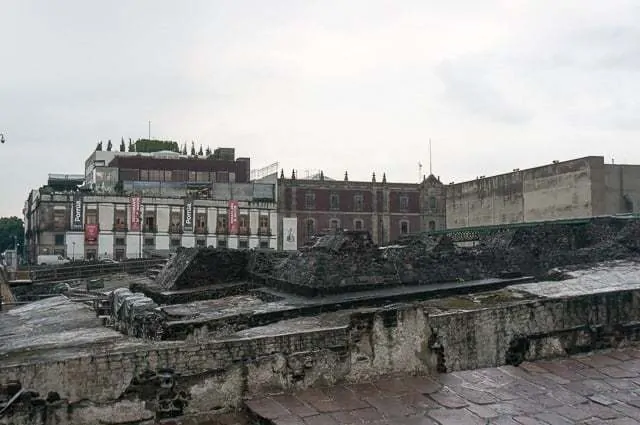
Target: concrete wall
{"type": "Point", "coordinates": [367, 344]}
{"type": "Point", "coordinates": [554, 191]}
{"type": "Point", "coordinates": [621, 189]}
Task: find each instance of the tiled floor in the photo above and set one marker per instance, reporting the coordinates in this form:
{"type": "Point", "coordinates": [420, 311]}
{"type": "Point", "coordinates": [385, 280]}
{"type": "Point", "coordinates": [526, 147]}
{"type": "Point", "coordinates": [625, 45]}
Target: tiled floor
{"type": "Point", "coordinates": [602, 388]}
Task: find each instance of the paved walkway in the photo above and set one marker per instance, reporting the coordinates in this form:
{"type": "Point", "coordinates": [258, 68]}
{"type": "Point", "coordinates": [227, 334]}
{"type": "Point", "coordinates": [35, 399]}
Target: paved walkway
{"type": "Point", "coordinates": [602, 388]}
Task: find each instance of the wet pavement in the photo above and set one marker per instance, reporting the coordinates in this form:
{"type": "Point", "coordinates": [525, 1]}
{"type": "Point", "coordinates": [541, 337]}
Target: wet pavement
{"type": "Point", "coordinates": [594, 389]}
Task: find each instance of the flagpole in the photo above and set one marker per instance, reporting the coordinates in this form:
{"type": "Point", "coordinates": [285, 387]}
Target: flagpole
{"type": "Point", "coordinates": [430, 169]}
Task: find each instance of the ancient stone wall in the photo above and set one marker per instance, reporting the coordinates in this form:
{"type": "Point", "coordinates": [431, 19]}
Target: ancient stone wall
{"type": "Point", "coordinates": [187, 379]}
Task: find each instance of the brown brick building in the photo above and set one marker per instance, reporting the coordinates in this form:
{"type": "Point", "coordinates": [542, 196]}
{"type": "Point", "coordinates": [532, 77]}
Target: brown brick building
{"type": "Point", "coordinates": [388, 210]}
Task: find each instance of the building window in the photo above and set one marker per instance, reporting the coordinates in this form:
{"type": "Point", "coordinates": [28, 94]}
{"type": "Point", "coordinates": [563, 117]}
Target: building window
{"type": "Point", "coordinates": [149, 222]}
{"type": "Point", "coordinates": [175, 222]}
{"type": "Point", "coordinates": [59, 240]}
{"type": "Point", "coordinates": [404, 227]}
{"type": "Point", "coordinates": [176, 242]}
{"type": "Point", "coordinates": [310, 227]}
{"type": "Point", "coordinates": [120, 220]}
{"type": "Point", "coordinates": [221, 226]}
{"type": "Point", "coordinates": [433, 203]}
{"type": "Point", "coordinates": [358, 225]}
{"type": "Point", "coordinates": [201, 223]}
{"type": "Point", "coordinates": [404, 202]}
{"type": "Point", "coordinates": [263, 225]}
{"type": "Point", "coordinates": [335, 201]}
{"type": "Point", "coordinates": [310, 201]}
{"type": "Point", "coordinates": [432, 225]}
{"type": "Point", "coordinates": [243, 244]}
{"type": "Point", "coordinates": [119, 241]}
{"type": "Point", "coordinates": [222, 243]}
{"type": "Point", "coordinates": [92, 217]}
{"type": "Point", "coordinates": [358, 202]}
{"type": "Point", "coordinates": [334, 224]}
{"type": "Point", "coordinates": [222, 177]}
{"type": "Point", "coordinates": [60, 219]}
{"type": "Point", "coordinates": [201, 243]}
{"type": "Point", "coordinates": [149, 241]}
{"type": "Point", "coordinates": [243, 224]}
{"type": "Point", "coordinates": [264, 244]}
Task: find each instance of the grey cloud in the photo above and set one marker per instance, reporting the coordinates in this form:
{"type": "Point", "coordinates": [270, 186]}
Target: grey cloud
{"type": "Point", "coordinates": [469, 85]}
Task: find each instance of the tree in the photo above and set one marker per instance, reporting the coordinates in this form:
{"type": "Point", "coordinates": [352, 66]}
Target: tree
{"type": "Point", "coordinates": [11, 233]}
{"type": "Point", "coordinates": [122, 146]}
{"type": "Point", "coordinates": [131, 148]}
{"type": "Point", "coordinates": [109, 146]}
{"type": "Point", "coordinates": [208, 152]}
{"type": "Point", "coordinates": [193, 149]}
{"type": "Point", "coordinates": [184, 149]}
{"type": "Point", "coordinates": [200, 151]}
{"type": "Point", "coordinates": [99, 147]}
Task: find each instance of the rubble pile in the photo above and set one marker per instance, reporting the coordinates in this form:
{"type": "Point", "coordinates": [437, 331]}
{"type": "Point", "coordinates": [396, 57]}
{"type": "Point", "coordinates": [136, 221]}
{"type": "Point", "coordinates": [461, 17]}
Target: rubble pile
{"type": "Point", "coordinates": [336, 263]}
{"type": "Point", "coordinates": [197, 267]}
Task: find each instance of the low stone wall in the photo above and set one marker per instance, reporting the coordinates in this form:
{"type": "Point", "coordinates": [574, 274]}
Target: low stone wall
{"type": "Point", "coordinates": [177, 379]}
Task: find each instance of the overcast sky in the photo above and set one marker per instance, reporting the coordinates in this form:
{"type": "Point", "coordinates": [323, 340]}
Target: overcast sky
{"type": "Point", "coordinates": [357, 85]}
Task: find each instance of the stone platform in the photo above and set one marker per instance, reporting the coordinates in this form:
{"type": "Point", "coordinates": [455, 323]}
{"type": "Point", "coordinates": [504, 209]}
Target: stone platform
{"type": "Point", "coordinates": [603, 388]}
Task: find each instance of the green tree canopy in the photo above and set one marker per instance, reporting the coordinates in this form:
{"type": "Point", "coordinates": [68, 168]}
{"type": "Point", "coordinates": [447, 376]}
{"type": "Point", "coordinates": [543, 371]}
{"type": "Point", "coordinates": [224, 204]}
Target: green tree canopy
{"type": "Point", "coordinates": [146, 145]}
{"type": "Point", "coordinates": [10, 227]}
{"type": "Point", "coordinates": [122, 145]}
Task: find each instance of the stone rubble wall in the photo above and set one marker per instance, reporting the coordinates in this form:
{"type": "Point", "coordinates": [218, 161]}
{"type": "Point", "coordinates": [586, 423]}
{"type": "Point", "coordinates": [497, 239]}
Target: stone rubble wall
{"type": "Point", "coordinates": [406, 339]}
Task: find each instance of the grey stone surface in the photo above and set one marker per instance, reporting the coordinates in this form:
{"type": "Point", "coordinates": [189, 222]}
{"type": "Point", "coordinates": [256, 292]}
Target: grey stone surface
{"type": "Point", "coordinates": [533, 397]}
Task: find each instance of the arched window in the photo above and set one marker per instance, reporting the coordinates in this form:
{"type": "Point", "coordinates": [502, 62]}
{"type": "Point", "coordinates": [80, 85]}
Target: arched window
{"type": "Point", "coordinates": [432, 225]}
{"type": "Point", "coordinates": [334, 224]}
{"type": "Point", "coordinates": [358, 224]}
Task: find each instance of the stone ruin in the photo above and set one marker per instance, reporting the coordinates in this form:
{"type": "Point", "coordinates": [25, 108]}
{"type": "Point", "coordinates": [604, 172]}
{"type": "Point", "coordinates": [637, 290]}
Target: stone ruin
{"type": "Point", "coordinates": [349, 262]}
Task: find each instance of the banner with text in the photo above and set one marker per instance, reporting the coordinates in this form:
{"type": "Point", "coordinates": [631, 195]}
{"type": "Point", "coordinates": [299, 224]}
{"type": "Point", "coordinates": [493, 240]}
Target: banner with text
{"type": "Point", "coordinates": [187, 215]}
{"type": "Point", "coordinates": [77, 212]}
{"type": "Point", "coordinates": [233, 217]}
{"type": "Point", "coordinates": [91, 234]}
{"type": "Point", "coordinates": [136, 208]}
{"type": "Point", "coordinates": [290, 234]}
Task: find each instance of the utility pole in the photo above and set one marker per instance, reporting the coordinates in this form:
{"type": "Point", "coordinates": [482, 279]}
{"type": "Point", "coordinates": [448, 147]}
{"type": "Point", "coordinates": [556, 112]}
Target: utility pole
{"type": "Point", "coordinates": [149, 130]}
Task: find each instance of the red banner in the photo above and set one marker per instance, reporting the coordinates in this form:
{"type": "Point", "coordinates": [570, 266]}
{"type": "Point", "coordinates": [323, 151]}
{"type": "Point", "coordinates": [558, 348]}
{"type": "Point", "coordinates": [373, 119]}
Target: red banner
{"type": "Point", "coordinates": [136, 202]}
{"type": "Point", "coordinates": [233, 217]}
{"type": "Point", "coordinates": [91, 234]}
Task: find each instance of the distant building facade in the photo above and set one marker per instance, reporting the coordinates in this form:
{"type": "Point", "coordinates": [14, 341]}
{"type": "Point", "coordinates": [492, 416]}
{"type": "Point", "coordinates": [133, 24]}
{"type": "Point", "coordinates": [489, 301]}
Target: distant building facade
{"type": "Point", "coordinates": [579, 188]}
{"type": "Point", "coordinates": [388, 210]}
{"type": "Point", "coordinates": [129, 205]}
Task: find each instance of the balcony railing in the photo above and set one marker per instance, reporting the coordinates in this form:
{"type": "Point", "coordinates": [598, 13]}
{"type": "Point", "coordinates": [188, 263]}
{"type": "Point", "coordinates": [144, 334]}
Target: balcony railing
{"type": "Point", "coordinates": [244, 231]}
{"type": "Point", "coordinates": [201, 230]}
{"type": "Point", "coordinates": [175, 229]}
{"type": "Point", "coordinates": [222, 231]}
{"type": "Point", "coordinates": [150, 229]}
